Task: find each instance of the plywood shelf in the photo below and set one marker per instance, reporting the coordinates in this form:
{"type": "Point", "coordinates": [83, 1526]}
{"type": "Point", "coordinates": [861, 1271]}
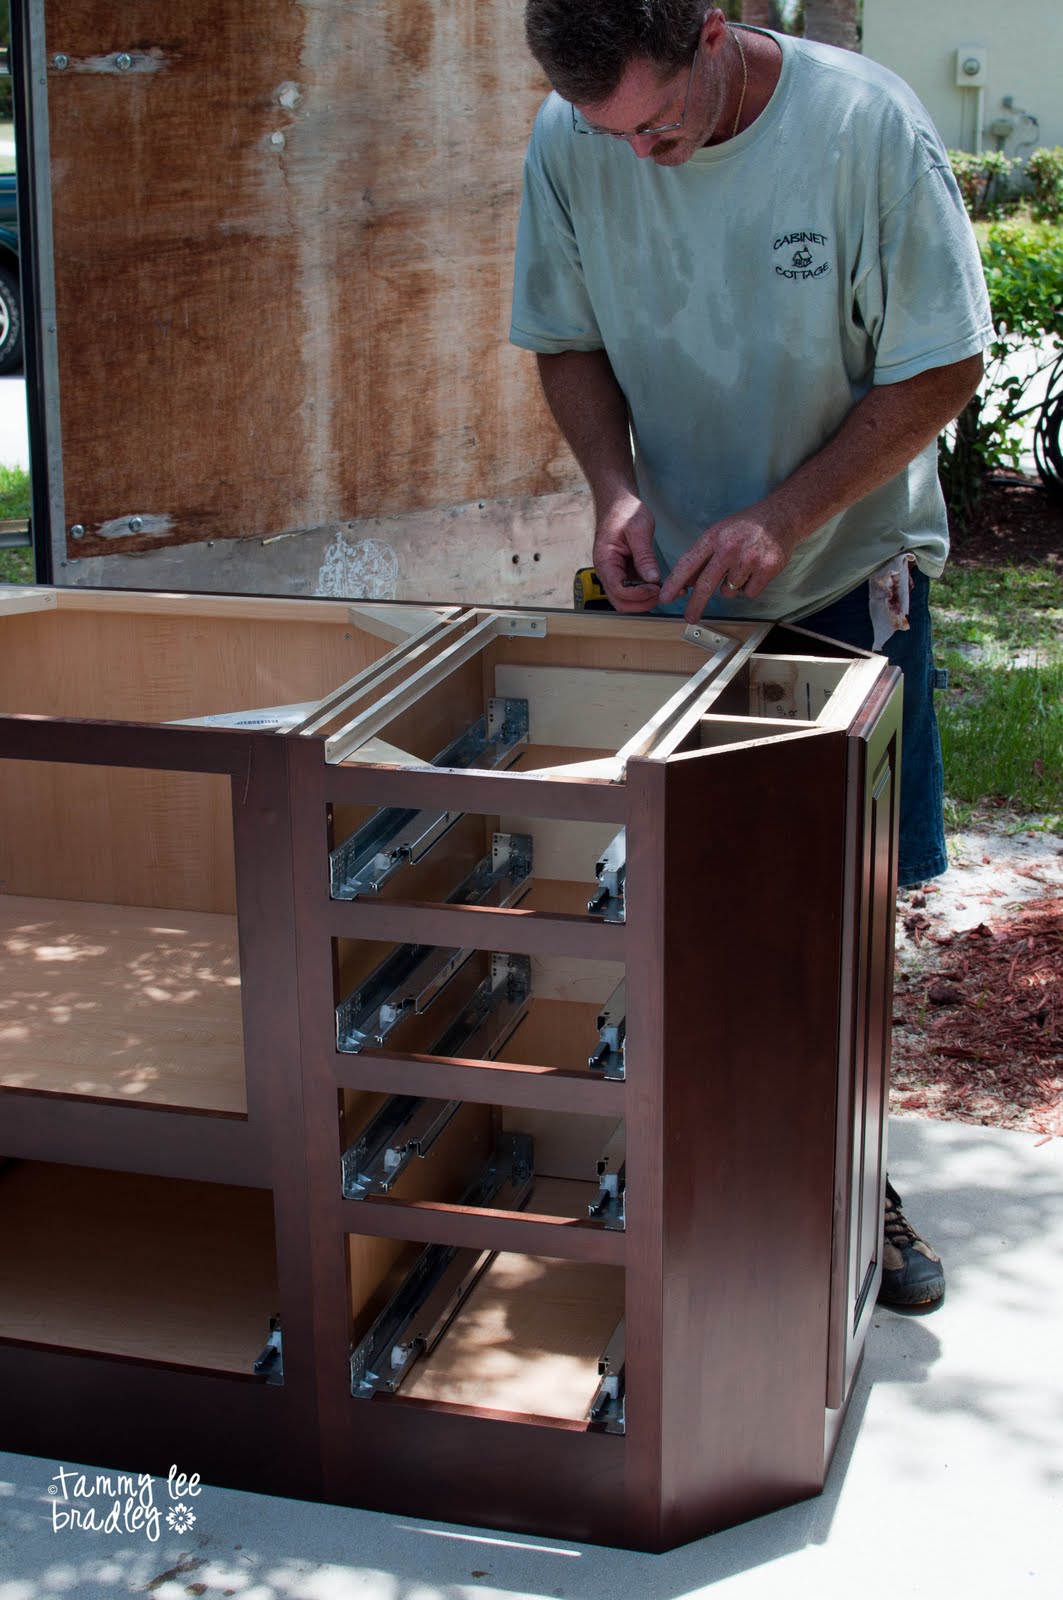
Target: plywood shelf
{"type": "Point", "coordinates": [122, 1003]}
{"type": "Point", "coordinates": [527, 1340]}
{"type": "Point", "coordinates": [149, 1268]}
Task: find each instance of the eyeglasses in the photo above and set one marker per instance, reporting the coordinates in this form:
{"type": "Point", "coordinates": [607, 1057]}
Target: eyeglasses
{"type": "Point", "coordinates": [581, 125]}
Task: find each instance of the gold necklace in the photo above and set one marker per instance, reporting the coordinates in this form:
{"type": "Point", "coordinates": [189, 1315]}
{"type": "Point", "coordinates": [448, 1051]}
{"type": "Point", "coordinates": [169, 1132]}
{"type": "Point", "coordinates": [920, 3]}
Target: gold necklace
{"type": "Point", "coordinates": [745, 80]}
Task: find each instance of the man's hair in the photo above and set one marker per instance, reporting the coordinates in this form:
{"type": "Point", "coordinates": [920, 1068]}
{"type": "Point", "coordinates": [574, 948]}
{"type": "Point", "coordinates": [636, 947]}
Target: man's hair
{"type": "Point", "coordinates": [584, 46]}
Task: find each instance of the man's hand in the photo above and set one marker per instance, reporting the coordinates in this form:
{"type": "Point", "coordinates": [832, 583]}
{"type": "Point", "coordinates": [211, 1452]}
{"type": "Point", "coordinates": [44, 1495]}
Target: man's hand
{"type": "Point", "coordinates": [623, 554]}
{"type": "Point", "coordinates": [588, 404]}
{"type": "Point", "coordinates": [739, 555]}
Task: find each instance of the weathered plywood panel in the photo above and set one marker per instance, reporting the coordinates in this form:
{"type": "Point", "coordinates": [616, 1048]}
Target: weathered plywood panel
{"type": "Point", "coordinates": [283, 240]}
{"type": "Point", "coordinates": [519, 551]}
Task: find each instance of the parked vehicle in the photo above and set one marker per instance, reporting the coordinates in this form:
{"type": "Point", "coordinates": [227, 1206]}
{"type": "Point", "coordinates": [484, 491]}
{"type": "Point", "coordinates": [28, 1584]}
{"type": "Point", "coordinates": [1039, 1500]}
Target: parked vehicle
{"type": "Point", "coordinates": [10, 296]}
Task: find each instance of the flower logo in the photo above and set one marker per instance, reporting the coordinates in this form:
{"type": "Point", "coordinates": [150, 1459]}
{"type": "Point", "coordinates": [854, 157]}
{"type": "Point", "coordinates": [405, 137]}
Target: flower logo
{"type": "Point", "coordinates": [180, 1517]}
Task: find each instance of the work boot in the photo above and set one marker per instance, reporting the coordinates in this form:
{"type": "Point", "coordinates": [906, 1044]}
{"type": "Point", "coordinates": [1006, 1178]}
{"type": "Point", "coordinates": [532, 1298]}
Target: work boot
{"type": "Point", "coordinates": [912, 1275]}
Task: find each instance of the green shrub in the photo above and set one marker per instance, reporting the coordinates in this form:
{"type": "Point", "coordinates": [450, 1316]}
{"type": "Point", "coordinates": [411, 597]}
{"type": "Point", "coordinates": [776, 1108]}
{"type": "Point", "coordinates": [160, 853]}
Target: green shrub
{"type": "Point", "coordinates": [1024, 273]}
{"type": "Point", "coordinates": [1044, 171]}
{"type": "Point", "coordinates": [986, 182]}
{"type": "Point", "coordinates": [14, 493]}
{"type": "Point", "coordinates": [16, 566]}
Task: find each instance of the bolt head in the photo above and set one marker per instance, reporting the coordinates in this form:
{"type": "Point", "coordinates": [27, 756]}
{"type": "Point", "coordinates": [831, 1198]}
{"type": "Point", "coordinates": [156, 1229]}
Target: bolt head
{"type": "Point", "coordinates": [123, 62]}
{"type": "Point", "coordinates": [60, 62]}
{"type": "Point", "coordinates": [78, 531]}
{"type": "Point", "coordinates": [135, 524]}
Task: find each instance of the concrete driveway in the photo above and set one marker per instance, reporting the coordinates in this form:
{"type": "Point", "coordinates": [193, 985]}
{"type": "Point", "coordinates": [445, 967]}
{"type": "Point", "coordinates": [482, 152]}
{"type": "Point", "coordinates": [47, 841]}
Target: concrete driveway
{"type": "Point", "coordinates": [14, 443]}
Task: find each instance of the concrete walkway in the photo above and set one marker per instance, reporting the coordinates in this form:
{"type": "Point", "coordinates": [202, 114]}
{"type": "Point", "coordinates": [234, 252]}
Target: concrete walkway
{"type": "Point", "coordinates": [14, 428]}
{"type": "Point", "coordinates": [948, 1481]}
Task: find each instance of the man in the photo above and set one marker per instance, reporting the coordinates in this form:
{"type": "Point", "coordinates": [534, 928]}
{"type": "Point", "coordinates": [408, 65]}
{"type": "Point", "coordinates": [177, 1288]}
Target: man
{"type": "Point", "coordinates": [756, 300]}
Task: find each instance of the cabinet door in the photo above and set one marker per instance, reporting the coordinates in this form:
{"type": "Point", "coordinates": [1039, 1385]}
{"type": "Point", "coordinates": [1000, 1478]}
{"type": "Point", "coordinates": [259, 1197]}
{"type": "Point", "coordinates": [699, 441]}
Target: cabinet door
{"type": "Point", "coordinates": [867, 992]}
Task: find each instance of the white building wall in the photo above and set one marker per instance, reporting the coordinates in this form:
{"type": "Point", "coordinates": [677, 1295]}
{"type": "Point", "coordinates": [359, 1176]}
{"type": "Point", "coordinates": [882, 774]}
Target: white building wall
{"type": "Point", "coordinates": [1022, 45]}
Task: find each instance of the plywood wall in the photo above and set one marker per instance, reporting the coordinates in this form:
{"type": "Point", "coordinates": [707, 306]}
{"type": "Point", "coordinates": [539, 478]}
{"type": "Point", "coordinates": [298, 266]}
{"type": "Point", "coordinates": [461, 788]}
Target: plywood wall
{"type": "Point", "coordinates": [283, 251]}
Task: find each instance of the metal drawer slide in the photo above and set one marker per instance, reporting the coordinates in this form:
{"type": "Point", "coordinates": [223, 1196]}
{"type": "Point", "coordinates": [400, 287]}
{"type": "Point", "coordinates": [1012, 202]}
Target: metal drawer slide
{"type": "Point", "coordinates": [608, 1404]}
{"type": "Point", "coordinates": [395, 837]}
{"type": "Point", "coordinates": [611, 871]}
{"type": "Point", "coordinates": [414, 1321]}
{"type": "Point", "coordinates": [414, 975]}
{"type": "Point", "coordinates": [610, 1056]}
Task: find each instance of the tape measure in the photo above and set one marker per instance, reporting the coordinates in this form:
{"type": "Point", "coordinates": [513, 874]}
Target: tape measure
{"type": "Point", "coordinates": [587, 591]}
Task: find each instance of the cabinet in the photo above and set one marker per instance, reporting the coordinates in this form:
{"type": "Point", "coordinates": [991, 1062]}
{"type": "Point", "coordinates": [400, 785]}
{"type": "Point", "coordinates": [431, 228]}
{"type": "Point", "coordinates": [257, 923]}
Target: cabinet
{"type": "Point", "coordinates": [443, 1052]}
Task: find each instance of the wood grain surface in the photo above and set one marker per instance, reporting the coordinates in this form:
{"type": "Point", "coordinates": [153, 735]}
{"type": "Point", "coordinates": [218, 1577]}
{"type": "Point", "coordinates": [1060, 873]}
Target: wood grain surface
{"type": "Point", "coordinates": [121, 1003]}
{"type": "Point", "coordinates": [300, 259]}
{"type": "Point", "coordinates": [158, 1269]}
{"type": "Point", "coordinates": [527, 1339]}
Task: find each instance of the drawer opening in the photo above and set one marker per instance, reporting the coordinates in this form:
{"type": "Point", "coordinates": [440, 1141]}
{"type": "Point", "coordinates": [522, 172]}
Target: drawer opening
{"type": "Point", "coordinates": [155, 1269]}
{"type": "Point", "coordinates": [374, 847]}
{"type": "Point", "coordinates": [119, 958]}
{"type": "Point", "coordinates": [497, 1331]}
{"type": "Point", "coordinates": [410, 1149]}
{"type": "Point", "coordinates": [548, 864]}
{"type": "Point", "coordinates": [547, 1011]}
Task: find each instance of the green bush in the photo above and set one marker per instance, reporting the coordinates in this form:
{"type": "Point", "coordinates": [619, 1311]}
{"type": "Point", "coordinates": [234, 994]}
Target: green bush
{"type": "Point", "coordinates": [1024, 273]}
{"type": "Point", "coordinates": [1044, 171]}
{"type": "Point", "coordinates": [16, 566]}
{"type": "Point", "coordinates": [986, 182]}
{"type": "Point", "coordinates": [14, 493]}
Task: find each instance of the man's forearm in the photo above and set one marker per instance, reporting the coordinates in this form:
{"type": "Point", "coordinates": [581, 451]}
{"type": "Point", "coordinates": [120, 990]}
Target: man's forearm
{"type": "Point", "coordinates": [589, 407]}
{"type": "Point", "coordinates": [745, 550]}
{"type": "Point", "coordinates": [885, 431]}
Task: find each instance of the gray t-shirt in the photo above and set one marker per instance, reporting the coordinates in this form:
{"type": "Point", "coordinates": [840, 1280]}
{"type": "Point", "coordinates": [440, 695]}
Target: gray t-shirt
{"type": "Point", "coordinates": [749, 298]}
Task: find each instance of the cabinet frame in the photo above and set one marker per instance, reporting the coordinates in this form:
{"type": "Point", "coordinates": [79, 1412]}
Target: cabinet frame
{"type": "Point", "coordinates": [762, 868]}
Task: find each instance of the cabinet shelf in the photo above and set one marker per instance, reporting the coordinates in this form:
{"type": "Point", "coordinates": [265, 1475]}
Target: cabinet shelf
{"type": "Point", "coordinates": [127, 1004]}
{"type": "Point", "coordinates": [149, 1269]}
{"type": "Point", "coordinates": [516, 1333]}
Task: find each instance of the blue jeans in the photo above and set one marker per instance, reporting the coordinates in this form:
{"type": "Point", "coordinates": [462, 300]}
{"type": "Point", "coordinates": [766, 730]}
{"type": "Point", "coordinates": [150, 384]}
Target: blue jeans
{"type": "Point", "coordinates": [922, 841]}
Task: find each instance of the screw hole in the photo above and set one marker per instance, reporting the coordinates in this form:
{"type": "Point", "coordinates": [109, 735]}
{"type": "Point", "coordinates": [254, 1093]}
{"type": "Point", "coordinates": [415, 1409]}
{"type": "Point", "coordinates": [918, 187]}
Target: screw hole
{"type": "Point", "coordinates": [516, 560]}
{"type": "Point", "coordinates": [536, 556]}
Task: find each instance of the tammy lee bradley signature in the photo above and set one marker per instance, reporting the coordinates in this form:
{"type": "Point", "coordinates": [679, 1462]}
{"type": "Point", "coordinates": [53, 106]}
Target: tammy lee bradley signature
{"type": "Point", "coordinates": [121, 1502]}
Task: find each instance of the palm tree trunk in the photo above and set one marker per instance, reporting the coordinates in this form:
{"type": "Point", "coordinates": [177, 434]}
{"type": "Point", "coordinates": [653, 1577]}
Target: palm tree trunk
{"type": "Point", "coordinates": [760, 13]}
{"type": "Point", "coordinates": [832, 22]}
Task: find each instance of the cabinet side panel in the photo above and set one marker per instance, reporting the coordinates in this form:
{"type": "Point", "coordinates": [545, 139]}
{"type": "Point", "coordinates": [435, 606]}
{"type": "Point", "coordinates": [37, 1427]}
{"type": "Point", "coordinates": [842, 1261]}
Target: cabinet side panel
{"type": "Point", "coordinates": [864, 1059]}
{"type": "Point", "coordinates": [753, 842]}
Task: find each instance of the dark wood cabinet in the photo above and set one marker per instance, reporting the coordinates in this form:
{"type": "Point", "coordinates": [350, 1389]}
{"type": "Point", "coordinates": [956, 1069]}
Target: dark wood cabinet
{"type": "Point", "coordinates": [444, 1052]}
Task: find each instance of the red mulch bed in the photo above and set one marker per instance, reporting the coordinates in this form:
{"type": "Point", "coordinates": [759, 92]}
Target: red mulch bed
{"type": "Point", "coordinates": [978, 1037]}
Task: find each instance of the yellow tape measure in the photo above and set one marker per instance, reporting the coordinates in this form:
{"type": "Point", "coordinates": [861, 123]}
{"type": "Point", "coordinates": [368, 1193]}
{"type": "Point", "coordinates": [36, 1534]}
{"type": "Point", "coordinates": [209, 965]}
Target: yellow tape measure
{"type": "Point", "coordinates": [587, 591]}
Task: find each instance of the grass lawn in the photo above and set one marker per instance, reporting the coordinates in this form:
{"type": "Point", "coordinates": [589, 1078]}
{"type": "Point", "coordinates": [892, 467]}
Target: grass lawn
{"type": "Point", "coordinates": [999, 631]}
{"type": "Point", "coordinates": [16, 566]}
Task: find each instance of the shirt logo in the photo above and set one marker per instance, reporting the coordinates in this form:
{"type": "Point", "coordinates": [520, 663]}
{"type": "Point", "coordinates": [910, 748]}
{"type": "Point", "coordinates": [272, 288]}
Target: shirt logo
{"type": "Point", "coordinates": [800, 255]}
